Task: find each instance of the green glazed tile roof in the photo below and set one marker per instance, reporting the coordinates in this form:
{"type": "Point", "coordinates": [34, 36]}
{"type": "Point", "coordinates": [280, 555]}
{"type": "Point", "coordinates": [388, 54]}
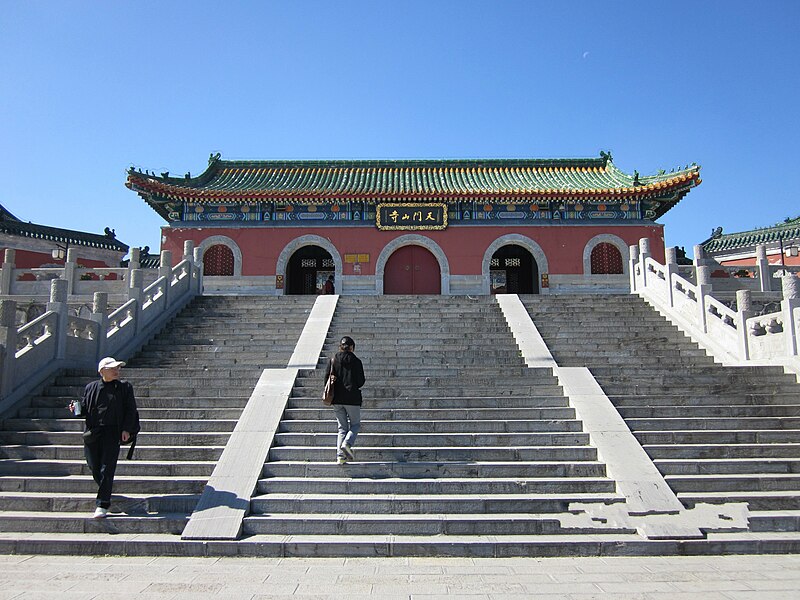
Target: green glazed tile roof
{"type": "Point", "coordinates": [410, 180]}
{"type": "Point", "coordinates": [788, 231]}
{"type": "Point", "coordinates": [12, 225]}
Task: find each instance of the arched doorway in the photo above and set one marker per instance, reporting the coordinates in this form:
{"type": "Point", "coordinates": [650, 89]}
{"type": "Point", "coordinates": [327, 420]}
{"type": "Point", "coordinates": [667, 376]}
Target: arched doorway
{"type": "Point", "coordinates": [513, 270]}
{"type": "Point", "coordinates": [308, 269]}
{"type": "Point", "coordinates": [606, 259]}
{"type": "Point", "coordinates": [412, 270]}
{"type": "Point", "coordinates": [218, 260]}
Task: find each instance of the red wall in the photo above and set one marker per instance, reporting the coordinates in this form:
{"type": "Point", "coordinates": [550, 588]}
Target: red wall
{"type": "Point", "coordinates": [26, 259]}
{"type": "Point", "coordinates": [464, 246]}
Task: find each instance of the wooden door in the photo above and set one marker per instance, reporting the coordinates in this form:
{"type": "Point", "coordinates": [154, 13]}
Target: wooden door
{"type": "Point", "coordinates": [412, 270]}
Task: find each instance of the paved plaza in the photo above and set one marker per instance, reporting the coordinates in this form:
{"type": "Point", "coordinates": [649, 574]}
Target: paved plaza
{"type": "Point", "coordinates": [640, 578]}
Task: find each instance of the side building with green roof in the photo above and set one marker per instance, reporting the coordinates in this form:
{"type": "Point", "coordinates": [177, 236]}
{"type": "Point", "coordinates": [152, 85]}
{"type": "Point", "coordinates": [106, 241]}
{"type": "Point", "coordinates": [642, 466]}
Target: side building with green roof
{"type": "Point", "coordinates": [782, 243]}
{"type": "Point", "coordinates": [448, 226]}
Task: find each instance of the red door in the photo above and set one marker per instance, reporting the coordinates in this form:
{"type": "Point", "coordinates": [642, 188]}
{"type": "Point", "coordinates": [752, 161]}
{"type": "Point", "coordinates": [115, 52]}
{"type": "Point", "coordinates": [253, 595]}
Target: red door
{"type": "Point", "coordinates": [412, 270]}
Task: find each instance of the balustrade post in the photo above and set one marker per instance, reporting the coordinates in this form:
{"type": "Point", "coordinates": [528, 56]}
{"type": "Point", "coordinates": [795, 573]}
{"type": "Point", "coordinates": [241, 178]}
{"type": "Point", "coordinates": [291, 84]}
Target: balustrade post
{"type": "Point", "coordinates": [764, 270]}
{"type": "Point", "coordinates": [644, 254]}
{"type": "Point", "coordinates": [197, 271]}
{"type": "Point", "coordinates": [791, 301]}
{"type": "Point", "coordinates": [7, 272]}
{"type": "Point", "coordinates": [188, 250]}
{"type": "Point", "coordinates": [165, 270]}
{"type": "Point", "coordinates": [633, 261]}
{"type": "Point", "coordinates": [8, 345]}
{"type": "Point", "coordinates": [58, 305]}
{"type": "Point", "coordinates": [100, 316]}
{"type": "Point", "coordinates": [744, 309]}
{"type": "Point", "coordinates": [70, 266]}
{"type": "Point", "coordinates": [135, 293]}
{"type": "Point", "coordinates": [703, 290]}
{"type": "Point", "coordinates": [670, 268]}
{"type": "Point", "coordinates": [135, 260]}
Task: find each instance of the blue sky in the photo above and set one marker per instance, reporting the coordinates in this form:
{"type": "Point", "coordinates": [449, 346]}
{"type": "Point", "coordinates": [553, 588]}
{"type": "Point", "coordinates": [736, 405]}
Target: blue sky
{"type": "Point", "coordinates": [88, 89]}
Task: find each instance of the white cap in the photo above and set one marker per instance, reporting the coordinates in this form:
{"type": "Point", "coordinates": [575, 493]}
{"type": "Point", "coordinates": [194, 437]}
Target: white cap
{"type": "Point", "coordinates": [109, 362]}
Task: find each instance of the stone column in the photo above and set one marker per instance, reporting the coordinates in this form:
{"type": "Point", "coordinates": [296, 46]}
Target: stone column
{"type": "Point", "coordinates": [7, 272]}
{"type": "Point", "coordinates": [791, 306]}
{"type": "Point", "coordinates": [744, 309]}
{"type": "Point", "coordinates": [8, 345]}
{"type": "Point", "coordinates": [135, 293]}
{"type": "Point", "coordinates": [58, 304]}
{"type": "Point", "coordinates": [764, 270]}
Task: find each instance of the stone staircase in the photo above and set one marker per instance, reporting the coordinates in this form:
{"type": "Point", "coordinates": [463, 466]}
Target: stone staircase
{"type": "Point", "coordinates": [463, 450]}
{"type": "Point", "coordinates": [717, 434]}
{"type": "Point", "coordinates": [461, 444]}
{"type": "Point", "coordinates": [191, 383]}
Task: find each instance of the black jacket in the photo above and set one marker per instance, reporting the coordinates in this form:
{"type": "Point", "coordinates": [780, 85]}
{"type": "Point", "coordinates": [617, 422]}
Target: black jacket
{"type": "Point", "coordinates": [110, 406]}
{"type": "Point", "coordinates": [349, 378]}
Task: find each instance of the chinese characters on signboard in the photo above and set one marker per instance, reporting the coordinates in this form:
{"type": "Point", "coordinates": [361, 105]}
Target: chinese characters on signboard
{"type": "Point", "coordinates": [412, 216]}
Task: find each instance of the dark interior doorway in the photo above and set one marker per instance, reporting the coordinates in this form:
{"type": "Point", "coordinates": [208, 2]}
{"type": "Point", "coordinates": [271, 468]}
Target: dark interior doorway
{"type": "Point", "coordinates": [513, 271]}
{"type": "Point", "coordinates": [307, 270]}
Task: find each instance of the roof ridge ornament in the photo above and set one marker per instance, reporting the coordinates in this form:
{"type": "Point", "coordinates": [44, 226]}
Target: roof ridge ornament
{"type": "Point", "coordinates": [212, 158]}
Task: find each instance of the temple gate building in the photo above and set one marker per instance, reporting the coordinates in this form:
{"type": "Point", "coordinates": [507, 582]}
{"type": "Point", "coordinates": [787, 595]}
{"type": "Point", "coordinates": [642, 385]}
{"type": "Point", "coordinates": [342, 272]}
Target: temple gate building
{"type": "Point", "coordinates": [782, 243]}
{"type": "Point", "coordinates": [474, 226]}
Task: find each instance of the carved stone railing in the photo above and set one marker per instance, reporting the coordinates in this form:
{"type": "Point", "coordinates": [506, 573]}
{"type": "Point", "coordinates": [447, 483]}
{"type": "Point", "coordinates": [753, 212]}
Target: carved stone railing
{"type": "Point", "coordinates": [733, 336]}
{"type": "Point", "coordinates": [31, 354]}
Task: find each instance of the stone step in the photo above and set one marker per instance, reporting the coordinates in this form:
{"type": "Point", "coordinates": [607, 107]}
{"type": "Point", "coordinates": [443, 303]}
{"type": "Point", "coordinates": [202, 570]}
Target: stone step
{"type": "Point", "coordinates": [419, 504]}
{"type": "Point", "coordinates": [446, 427]}
{"type": "Point", "coordinates": [719, 450]}
{"type": "Point", "coordinates": [443, 402]}
{"type": "Point", "coordinates": [719, 411]}
{"type": "Point", "coordinates": [739, 482]}
{"type": "Point", "coordinates": [145, 438]}
{"type": "Point", "coordinates": [493, 486]}
{"type": "Point", "coordinates": [428, 470]}
{"type": "Point", "coordinates": [85, 485]}
{"type": "Point", "coordinates": [713, 437]}
{"type": "Point", "coordinates": [775, 520]}
{"type": "Point", "coordinates": [426, 454]}
{"type": "Point", "coordinates": [699, 399]}
{"type": "Point", "coordinates": [144, 413]}
{"type": "Point", "coordinates": [144, 453]}
{"type": "Point", "coordinates": [62, 502]}
{"type": "Point", "coordinates": [159, 401]}
{"type": "Point", "coordinates": [716, 423]}
{"type": "Point", "coordinates": [422, 525]}
{"type": "Point", "coordinates": [43, 467]}
{"type": "Point", "coordinates": [748, 465]}
{"type": "Point", "coordinates": [50, 522]}
{"type": "Point", "coordinates": [148, 425]}
{"type": "Point", "coordinates": [436, 414]}
{"type": "Point", "coordinates": [404, 440]}
{"type": "Point", "coordinates": [404, 391]}
{"type": "Point", "coordinates": [757, 500]}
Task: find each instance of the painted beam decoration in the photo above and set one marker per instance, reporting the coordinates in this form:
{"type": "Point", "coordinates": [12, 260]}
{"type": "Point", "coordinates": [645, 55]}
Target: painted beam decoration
{"type": "Point", "coordinates": [411, 217]}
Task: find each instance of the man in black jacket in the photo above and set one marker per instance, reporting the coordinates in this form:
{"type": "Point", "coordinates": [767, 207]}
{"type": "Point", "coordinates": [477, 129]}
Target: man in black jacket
{"type": "Point", "coordinates": [110, 412]}
{"type": "Point", "coordinates": [349, 373]}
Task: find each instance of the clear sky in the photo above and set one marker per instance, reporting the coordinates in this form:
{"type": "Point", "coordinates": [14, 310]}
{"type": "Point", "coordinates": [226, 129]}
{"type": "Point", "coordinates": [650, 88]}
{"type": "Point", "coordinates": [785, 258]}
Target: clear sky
{"type": "Point", "coordinates": [88, 89]}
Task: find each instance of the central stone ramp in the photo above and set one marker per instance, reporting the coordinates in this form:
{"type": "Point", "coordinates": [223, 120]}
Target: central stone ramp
{"type": "Point", "coordinates": [459, 440]}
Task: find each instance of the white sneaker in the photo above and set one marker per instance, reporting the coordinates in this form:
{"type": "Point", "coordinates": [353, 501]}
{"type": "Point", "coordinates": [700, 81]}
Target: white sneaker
{"type": "Point", "coordinates": [342, 460]}
{"type": "Point", "coordinates": [100, 513]}
{"type": "Point", "coordinates": [348, 450]}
